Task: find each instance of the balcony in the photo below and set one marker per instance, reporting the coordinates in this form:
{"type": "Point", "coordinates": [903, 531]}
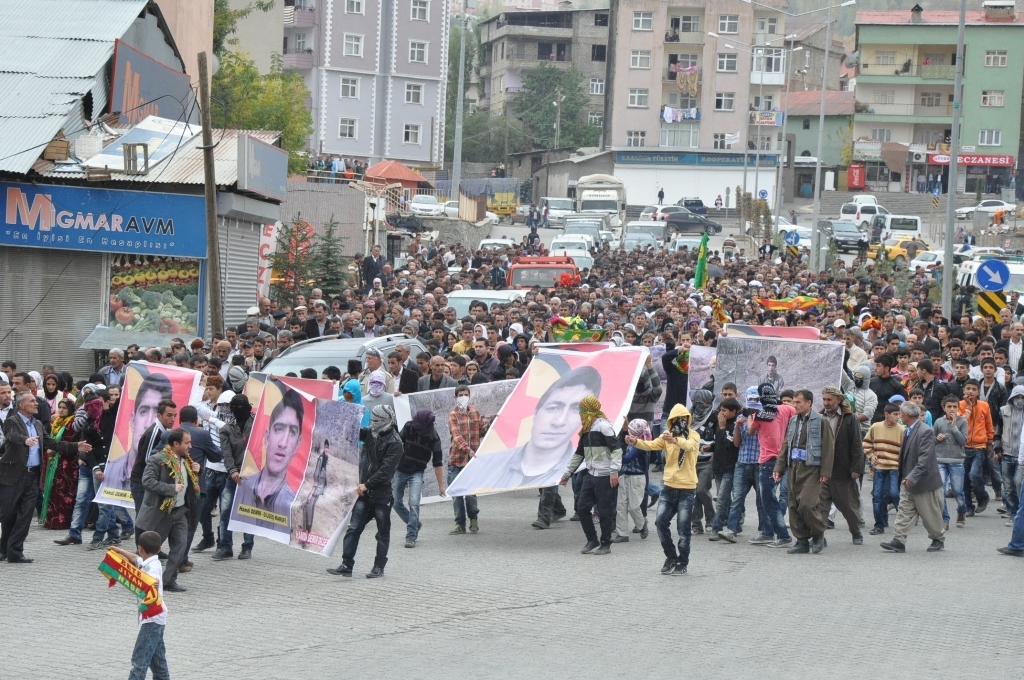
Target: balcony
{"type": "Point", "coordinates": [670, 76]}
{"type": "Point", "coordinates": [299, 59]}
{"type": "Point", "coordinates": [904, 113]}
{"type": "Point", "coordinates": [299, 17]}
{"type": "Point", "coordinates": [684, 38]}
{"type": "Point", "coordinates": [907, 72]}
{"type": "Point", "coordinates": [679, 115]}
{"type": "Point", "coordinates": [767, 78]}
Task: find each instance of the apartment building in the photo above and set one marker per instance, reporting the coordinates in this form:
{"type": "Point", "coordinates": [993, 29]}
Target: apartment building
{"type": "Point", "coordinates": [687, 105]}
{"type": "Point", "coordinates": [377, 71]}
{"type": "Point", "coordinates": [904, 98]}
{"type": "Point", "coordinates": [515, 42]}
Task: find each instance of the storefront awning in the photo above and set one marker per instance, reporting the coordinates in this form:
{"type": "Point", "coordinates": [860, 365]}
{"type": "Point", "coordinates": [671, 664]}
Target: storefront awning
{"type": "Point", "coordinates": [103, 337]}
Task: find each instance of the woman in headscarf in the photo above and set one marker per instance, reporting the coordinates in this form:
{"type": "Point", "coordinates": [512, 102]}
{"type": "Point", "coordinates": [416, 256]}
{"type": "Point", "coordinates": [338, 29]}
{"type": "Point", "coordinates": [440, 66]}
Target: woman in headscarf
{"type": "Point", "coordinates": [353, 393]}
{"type": "Point", "coordinates": [507, 359]}
{"type": "Point", "coordinates": [53, 393]}
{"type": "Point", "coordinates": [60, 484]}
{"type": "Point", "coordinates": [474, 374]}
{"type": "Point", "coordinates": [422, 447]}
{"type": "Point", "coordinates": [599, 446]}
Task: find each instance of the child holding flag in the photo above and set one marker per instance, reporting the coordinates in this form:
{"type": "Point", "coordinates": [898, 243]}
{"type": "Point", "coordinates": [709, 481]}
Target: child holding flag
{"type": "Point", "coordinates": [149, 645]}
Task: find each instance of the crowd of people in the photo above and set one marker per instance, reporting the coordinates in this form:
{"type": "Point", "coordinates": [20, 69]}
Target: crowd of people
{"type": "Point", "coordinates": [930, 409]}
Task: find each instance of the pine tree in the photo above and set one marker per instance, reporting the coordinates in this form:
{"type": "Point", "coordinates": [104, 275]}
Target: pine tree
{"type": "Point", "coordinates": [326, 262]}
{"type": "Point", "coordinates": [292, 261]}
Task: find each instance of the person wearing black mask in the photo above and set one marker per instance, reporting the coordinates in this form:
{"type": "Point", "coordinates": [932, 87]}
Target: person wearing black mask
{"type": "Point", "coordinates": [233, 438]}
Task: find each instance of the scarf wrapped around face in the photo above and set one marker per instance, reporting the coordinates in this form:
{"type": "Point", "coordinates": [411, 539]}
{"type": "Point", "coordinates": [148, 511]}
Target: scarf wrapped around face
{"type": "Point", "coordinates": [769, 402]}
{"type": "Point", "coordinates": [703, 401]}
{"type": "Point", "coordinates": [423, 421]}
{"type": "Point", "coordinates": [377, 382]}
{"type": "Point", "coordinates": [382, 419]}
{"type": "Point", "coordinates": [640, 429]}
{"type": "Point", "coordinates": [590, 411]}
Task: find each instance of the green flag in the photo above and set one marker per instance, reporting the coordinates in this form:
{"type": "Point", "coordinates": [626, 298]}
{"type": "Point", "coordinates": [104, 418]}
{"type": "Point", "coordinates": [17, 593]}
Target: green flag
{"type": "Point", "coordinates": [700, 276]}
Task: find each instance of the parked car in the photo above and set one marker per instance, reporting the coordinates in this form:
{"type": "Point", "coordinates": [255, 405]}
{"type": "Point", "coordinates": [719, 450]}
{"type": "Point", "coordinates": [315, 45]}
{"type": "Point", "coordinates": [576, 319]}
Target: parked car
{"type": "Point", "coordinates": [693, 204]}
{"type": "Point", "coordinates": [638, 241]}
{"type": "Point", "coordinates": [497, 243]}
{"type": "Point", "coordinates": [462, 299]}
{"type": "Point", "coordinates": [989, 206]}
{"type": "Point", "coordinates": [896, 250]}
{"type": "Point", "coordinates": [319, 353]}
{"type": "Point", "coordinates": [422, 204]}
{"type": "Point", "coordinates": [521, 213]}
{"type": "Point", "coordinates": [861, 213]}
{"type": "Point", "coordinates": [692, 223]}
{"type": "Point", "coordinates": [660, 212]}
{"type": "Point", "coordinates": [845, 235]}
{"type": "Point", "coordinates": [864, 199]}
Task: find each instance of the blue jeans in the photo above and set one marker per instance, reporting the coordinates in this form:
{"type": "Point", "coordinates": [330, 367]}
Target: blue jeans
{"type": "Point", "coordinates": [1017, 540]}
{"type": "Point", "coordinates": [885, 489]}
{"type": "Point", "coordinates": [953, 474]}
{"type": "Point", "coordinates": [227, 498]}
{"type": "Point", "coordinates": [774, 512]}
{"type": "Point", "coordinates": [463, 504]}
{"type": "Point", "coordinates": [108, 519]}
{"type": "Point", "coordinates": [149, 653]}
{"type": "Point", "coordinates": [410, 515]}
{"type": "Point", "coordinates": [678, 503]}
{"type": "Point", "coordinates": [367, 508]}
{"type": "Point", "coordinates": [745, 478]}
{"type": "Point", "coordinates": [86, 492]}
{"type": "Point", "coordinates": [724, 502]}
{"type": "Point", "coordinates": [215, 482]}
{"type": "Point", "coordinates": [1011, 472]}
{"type": "Point", "coordinates": [974, 465]}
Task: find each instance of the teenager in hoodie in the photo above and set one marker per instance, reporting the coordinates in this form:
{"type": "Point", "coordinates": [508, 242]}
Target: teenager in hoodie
{"type": "Point", "coordinates": [1013, 423]}
{"type": "Point", "coordinates": [680, 445]}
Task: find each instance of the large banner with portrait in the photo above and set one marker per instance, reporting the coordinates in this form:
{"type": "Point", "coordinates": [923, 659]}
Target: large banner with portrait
{"type": "Point", "coordinates": [300, 471]}
{"type": "Point", "coordinates": [321, 389]}
{"type": "Point", "coordinates": [702, 370]}
{"type": "Point", "coordinates": [535, 433]}
{"type": "Point", "coordinates": [488, 398]}
{"type": "Point", "coordinates": [145, 386]}
{"type": "Point", "coordinates": [786, 364]}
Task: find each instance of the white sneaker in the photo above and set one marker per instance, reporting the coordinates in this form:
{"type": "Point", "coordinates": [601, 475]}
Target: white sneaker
{"type": "Point", "coordinates": [781, 543]}
{"type": "Point", "coordinates": [727, 535]}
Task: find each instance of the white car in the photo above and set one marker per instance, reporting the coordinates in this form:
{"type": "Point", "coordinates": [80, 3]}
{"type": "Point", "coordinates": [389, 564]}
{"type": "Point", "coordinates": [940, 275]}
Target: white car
{"type": "Point", "coordinates": [989, 206]}
{"type": "Point", "coordinates": [929, 259]}
{"type": "Point", "coordinates": [451, 209]}
{"type": "Point", "coordinates": [426, 206]}
{"type": "Point", "coordinates": [804, 232]}
{"type": "Point", "coordinates": [569, 242]}
{"type": "Point", "coordinates": [864, 199]}
{"type": "Point", "coordinates": [496, 243]}
{"type": "Point", "coordinates": [461, 299]}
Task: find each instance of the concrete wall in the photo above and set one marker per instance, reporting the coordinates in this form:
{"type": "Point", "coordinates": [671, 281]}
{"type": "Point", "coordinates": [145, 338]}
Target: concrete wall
{"type": "Point", "coordinates": [191, 24]}
{"type": "Point", "coordinates": [261, 33]}
{"type": "Point", "coordinates": [318, 203]}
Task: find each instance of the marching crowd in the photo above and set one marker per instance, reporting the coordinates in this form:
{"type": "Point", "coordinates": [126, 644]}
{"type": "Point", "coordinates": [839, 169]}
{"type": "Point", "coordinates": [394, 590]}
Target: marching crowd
{"type": "Point", "coordinates": [929, 412]}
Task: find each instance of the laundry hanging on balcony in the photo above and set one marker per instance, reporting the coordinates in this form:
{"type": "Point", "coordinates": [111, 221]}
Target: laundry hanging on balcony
{"type": "Point", "coordinates": [671, 115]}
{"type": "Point", "coordinates": [687, 79]}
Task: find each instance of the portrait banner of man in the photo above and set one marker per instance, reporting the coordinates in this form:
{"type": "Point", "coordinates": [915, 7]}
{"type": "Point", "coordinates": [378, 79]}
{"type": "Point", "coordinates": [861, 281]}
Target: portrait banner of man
{"type": "Point", "coordinates": [274, 466]}
{"type": "Point", "coordinates": [321, 389]}
{"type": "Point", "coordinates": [536, 432]}
{"type": "Point", "coordinates": [145, 386]}
{"type": "Point", "coordinates": [793, 364]}
{"type": "Point", "coordinates": [702, 368]}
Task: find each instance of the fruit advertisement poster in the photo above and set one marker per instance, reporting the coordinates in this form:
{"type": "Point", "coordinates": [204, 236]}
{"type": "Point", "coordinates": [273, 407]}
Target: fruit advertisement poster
{"type": "Point", "coordinates": [153, 294]}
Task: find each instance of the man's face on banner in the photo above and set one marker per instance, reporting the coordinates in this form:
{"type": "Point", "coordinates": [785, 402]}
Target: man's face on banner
{"type": "Point", "coordinates": [144, 415]}
{"type": "Point", "coordinates": [282, 440]}
{"type": "Point", "coordinates": [558, 419]}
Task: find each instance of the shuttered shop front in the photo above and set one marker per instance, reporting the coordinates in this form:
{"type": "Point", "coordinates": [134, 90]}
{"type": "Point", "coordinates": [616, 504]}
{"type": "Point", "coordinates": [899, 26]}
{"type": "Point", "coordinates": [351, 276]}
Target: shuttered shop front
{"type": "Point", "coordinates": [239, 253]}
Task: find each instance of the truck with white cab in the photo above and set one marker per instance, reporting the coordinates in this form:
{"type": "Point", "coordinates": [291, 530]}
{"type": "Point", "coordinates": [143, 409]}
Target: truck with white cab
{"type": "Point", "coordinates": [604, 194]}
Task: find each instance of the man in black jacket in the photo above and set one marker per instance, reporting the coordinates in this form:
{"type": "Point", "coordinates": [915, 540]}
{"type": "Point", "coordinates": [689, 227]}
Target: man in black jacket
{"type": "Point", "coordinates": [233, 438]}
{"type": "Point", "coordinates": [382, 450]}
{"type": "Point", "coordinates": [422, 448]}
{"type": "Point", "coordinates": [373, 267]}
{"type": "Point", "coordinates": [405, 378]}
{"type": "Point", "coordinates": [885, 385]}
{"type": "Point", "coordinates": [203, 450]}
{"type": "Point", "coordinates": [151, 442]}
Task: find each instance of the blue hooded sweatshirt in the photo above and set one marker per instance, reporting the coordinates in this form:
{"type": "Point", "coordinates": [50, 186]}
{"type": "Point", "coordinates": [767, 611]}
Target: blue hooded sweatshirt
{"type": "Point", "coordinates": [352, 387]}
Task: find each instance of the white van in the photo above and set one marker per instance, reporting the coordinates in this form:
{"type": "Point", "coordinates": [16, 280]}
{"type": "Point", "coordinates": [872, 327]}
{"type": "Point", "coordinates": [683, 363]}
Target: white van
{"type": "Point", "coordinates": [897, 226]}
{"type": "Point", "coordinates": [558, 209]}
{"type": "Point", "coordinates": [572, 242]}
{"type": "Point", "coordinates": [581, 258]}
{"type": "Point", "coordinates": [966, 272]}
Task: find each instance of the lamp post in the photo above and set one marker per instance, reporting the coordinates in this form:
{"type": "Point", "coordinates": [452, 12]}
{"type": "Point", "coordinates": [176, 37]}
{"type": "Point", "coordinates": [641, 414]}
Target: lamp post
{"type": "Point", "coordinates": [453, 193]}
{"type": "Point", "coordinates": [954, 151]}
{"type": "Point", "coordinates": [785, 122]}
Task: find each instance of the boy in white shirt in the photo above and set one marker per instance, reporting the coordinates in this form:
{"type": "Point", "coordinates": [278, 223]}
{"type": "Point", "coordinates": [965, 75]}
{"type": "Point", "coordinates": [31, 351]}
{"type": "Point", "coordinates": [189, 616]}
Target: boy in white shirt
{"type": "Point", "coordinates": [149, 646]}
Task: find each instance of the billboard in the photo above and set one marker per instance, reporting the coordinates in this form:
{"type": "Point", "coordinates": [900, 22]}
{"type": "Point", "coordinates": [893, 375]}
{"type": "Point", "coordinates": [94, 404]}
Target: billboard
{"type": "Point", "coordinates": [262, 168]}
{"type": "Point", "coordinates": [142, 86]}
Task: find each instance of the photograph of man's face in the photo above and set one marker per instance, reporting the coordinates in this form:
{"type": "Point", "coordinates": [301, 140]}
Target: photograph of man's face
{"type": "Point", "coordinates": [282, 440]}
{"type": "Point", "coordinates": [143, 416]}
{"type": "Point", "coordinates": [557, 416]}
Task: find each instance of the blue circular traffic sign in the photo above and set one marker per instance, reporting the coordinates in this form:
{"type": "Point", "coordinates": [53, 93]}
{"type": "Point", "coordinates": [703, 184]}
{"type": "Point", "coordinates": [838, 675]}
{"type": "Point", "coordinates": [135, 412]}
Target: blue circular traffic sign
{"type": "Point", "coordinates": [763, 193]}
{"type": "Point", "coordinates": [792, 238]}
{"type": "Point", "coordinates": [993, 275]}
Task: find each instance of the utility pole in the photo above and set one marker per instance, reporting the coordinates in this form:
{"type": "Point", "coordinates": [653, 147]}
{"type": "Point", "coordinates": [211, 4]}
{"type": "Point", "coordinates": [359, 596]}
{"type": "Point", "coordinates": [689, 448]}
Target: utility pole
{"type": "Point", "coordinates": [787, 65]}
{"type": "Point", "coordinates": [461, 94]}
{"type": "Point", "coordinates": [505, 116]}
{"type": "Point", "coordinates": [609, 75]}
{"type": "Point", "coordinates": [954, 151]}
{"type": "Point", "coordinates": [816, 264]}
{"type": "Point", "coordinates": [558, 116]}
{"type": "Point", "coordinates": [212, 244]}
{"type": "Point", "coordinates": [760, 108]}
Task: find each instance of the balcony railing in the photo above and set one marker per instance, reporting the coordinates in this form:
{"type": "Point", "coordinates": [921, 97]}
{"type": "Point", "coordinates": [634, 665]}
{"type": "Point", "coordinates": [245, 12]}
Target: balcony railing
{"type": "Point", "coordinates": [684, 38]}
{"type": "Point", "coordinates": [940, 111]}
{"type": "Point", "coordinates": [300, 17]}
{"type": "Point", "coordinates": [926, 71]}
{"type": "Point", "coordinates": [679, 115]}
{"type": "Point", "coordinates": [298, 58]}
{"type": "Point", "coordinates": [671, 76]}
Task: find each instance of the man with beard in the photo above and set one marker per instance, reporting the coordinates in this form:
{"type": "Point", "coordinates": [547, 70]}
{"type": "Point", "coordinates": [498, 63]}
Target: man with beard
{"type": "Point", "coordinates": [233, 438]}
{"type": "Point", "coordinates": [841, 433]}
{"type": "Point", "coordinates": [810, 466]}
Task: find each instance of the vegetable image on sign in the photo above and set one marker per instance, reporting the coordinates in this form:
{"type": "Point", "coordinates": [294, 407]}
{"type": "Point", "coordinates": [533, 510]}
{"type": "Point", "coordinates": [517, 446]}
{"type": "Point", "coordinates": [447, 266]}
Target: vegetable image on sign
{"type": "Point", "coordinates": [993, 275]}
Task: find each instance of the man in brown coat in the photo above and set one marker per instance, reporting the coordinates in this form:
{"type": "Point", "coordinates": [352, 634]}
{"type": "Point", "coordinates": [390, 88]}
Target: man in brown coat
{"type": "Point", "coordinates": [920, 483]}
{"type": "Point", "coordinates": [841, 432]}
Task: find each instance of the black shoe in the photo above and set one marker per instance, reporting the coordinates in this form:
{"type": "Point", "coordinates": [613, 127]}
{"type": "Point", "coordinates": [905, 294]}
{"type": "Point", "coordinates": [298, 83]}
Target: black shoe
{"type": "Point", "coordinates": [817, 545]}
{"type": "Point", "coordinates": [69, 540]}
{"type": "Point", "coordinates": [936, 545]}
{"type": "Point", "coordinates": [696, 529]}
{"type": "Point", "coordinates": [667, 567]}
{"type": "Point", "coordinates": [981, 507]}
{"type": "Point", "coordinates": [575, 517]}
{"type": "Point", "coordinates": [540, 524]}
{"type": "Point", "coordinates": [643, 532]}
{"type": "Point", "coordinates": [802, 547]}
{"type": "Point", "coordinates": [376, 572]}
{"type": "Point", "coordinates": [112, 541]}
{"type": "Point", "coordinates": [877, 531]}
{"type": "Point", "coordinates": [620, 539]}
{"type": "Point", "coordinates": [223, 554]}
{"type": "Point", "coordinates": [95, 545]}
{"type": "Point", "coordinates": [590, 547]}
{"type": "Point", "coordinates": [950, 494]}
{"type": "Point", "coordinates": [341, 570]}
{"type": "Point", "coordinates": [679, 569]}
{"type": "Point", "coordinates": [205, 544]}
{"type": "Point", "coordinates": [895, 546]}
{"type": "Point", "coordinates": [1001, 511]}
{"type": "Point", "coordinates": [174, 588]}
{"type": "Point", "coordinates": [162, 556]}
{"type": "Point", "coordinates": [20, 560]}
{"type": "Point", "coordinates": [558, 518]}
{"type": "Point", "coordinates": [603, 550]}
{"type": "Point", "coordinates": [126, 534]}
{"type": "Point", "coordinates": [831, 524]}
{"type": "Point", "coordinates": [3, 557]}
{"type": "Point", "coordinates": [858, 539]}
{"type": "Point", "coordinates": [245, 554]}
{"type": "Point", "coordinates": [1011, 552]}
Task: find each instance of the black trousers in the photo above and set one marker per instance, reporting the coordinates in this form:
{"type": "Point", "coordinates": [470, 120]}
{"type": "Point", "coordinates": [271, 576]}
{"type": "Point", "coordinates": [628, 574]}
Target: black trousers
{"type": "Point", "coordinates": [368, 508]}
{"type": "Point", "coordinates": [599, 491]}
{"type": "Point", "coordinates": [550, 505]}
{"type": "Point", "coordinates": [17, 503]}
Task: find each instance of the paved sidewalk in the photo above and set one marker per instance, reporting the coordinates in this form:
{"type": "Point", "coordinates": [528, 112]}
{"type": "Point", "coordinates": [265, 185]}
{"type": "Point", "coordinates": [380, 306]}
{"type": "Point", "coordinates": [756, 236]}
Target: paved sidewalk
{"type": "Point", "coordinates": [515, 602]}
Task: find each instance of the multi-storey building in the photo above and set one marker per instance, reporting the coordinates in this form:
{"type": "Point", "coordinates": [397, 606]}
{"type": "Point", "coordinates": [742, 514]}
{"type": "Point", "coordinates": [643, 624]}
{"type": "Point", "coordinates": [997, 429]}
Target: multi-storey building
{"type": "Point", "coordinates": [904, 93]}
{"type": "Point", "coordinates": [808, 64]}
{"type": "Point", "coordinates": [377, 71]}
{"type": "Point", "coordinates": [513, 43]}
{"type": "Point", "coordinates": [687, 104]}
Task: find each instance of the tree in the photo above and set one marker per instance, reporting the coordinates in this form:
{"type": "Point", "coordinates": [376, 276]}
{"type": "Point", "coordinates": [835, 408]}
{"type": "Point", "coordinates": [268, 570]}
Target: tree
{"type": "Point", "coordinates": [452, 93]}
{"type": "Point", "coordinates": [246, 100]}
{"type": "Point", "coordinates": [328, 267]}
{"type": "Point", "coordinates": [533, 105]}
{"type": "Point", "coordinates": [225, 21]}
{"type": "Point", "coordinates": [291, 262]}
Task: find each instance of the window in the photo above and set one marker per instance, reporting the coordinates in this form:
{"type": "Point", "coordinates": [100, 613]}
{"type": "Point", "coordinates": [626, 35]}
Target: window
{"type": "Point", "coordinates": [643, 21]}
{"type": "Point", "coordinates": [725, 101]}
{"type": "Point", "coordinates": [726, 62]}
{"type": "Point", "coordinates": [763, 103]}
{"type": "Point", "coordinates": [728, 23]}
{"type": "Point", "coordinates": [807, 124]}
{"type": "Point", "coordinates": [595, 118]}
{"type": "Point", "coordinates": [598, 52]}
{"type": "Point", "coordinates": [636, 138]}
{"type": "Point", "coordinates": [412, 133]}
{"type": "Point", "coordinates": [638, 97]}
{"type": "Point", "coordinates": [990, 137]}
{"type": "Point", "coordinates": [679, 135]}
{"type": "Point", "coordinates": [600, 19]}
{"type": "Point", "coordinates": [353, 45]}
{"type": "Point", "coordinates": [597, 86]}
{"type": "Point", "coordinates": [935, 59]}
{"type": "Point", "coordinates": [640, 59]}
{"type": "Point", "coordinates": [881, 135]}
{"type": "Point", "coordinates": [689, 24]}
{"type": "Point", "coordinates": [995, 58]}
{"type": "Point", "coordinates": [885, 58]}
{"type": "Point", "coordinates": [991, 97]}
{"type": "Point", "coordinates": [931, 99]}
{"type": "Point", "coordinates": [768, 61]}
{"type": "Point", "coordinates": [420, 10]}
{"type": "Point", "coordinates": [350, 88]}
{"type": "Point", "coordinates": [678, 100]}
{"type": "Point", "coordinates": [765, 142]}
{"type": "Point", "coordinates": [418, 52]}
{"type": "Point", "coordinates": [413, 94]}
{"type": "Point", "coordinates": [884, 96]}
{"type": "Point", "coordinates": [353, 6]}
{"type": "Point", "coordinates": [720, 143]}
{"type": "Point", "coordinates": [347, 128]}
{"type": "Point", "coordinates": [807, 58]}
{"type": "Point", "coordinates": [768, 25]}
{"type": "Point", "coordinates": [300, 42]}
{"type": "Point", "coordinates": [684, 60]}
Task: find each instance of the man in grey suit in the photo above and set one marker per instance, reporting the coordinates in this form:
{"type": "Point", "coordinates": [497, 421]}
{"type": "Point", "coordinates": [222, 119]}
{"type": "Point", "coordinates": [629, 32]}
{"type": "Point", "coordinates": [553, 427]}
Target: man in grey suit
{"type": "Point", "coordinates": [436, 378]}
{"type": "Point", "coordinates": [920, 483]}
{"type": "Point", "coordinates": [167, 478]}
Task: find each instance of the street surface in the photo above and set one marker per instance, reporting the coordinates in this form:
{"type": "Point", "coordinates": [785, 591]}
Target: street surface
{"type": "Point", "coordinates": [516, 602]}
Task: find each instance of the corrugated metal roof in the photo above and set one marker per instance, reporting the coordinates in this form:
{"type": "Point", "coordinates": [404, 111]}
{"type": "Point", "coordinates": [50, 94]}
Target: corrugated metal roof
{"type": "Point", "coordinates": [932, 17]}
{"type": "Point", "coordinates": [51, 52]}
{"type": "Point", "coordinates": [808, 103]}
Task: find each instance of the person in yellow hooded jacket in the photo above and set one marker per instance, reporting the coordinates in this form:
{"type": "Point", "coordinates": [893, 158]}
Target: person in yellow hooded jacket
{"type": "Point", "coordinates": [681, 445]}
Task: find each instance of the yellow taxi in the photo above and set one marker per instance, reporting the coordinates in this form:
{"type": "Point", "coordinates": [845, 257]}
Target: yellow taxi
{"type": "Point", "coordinates": [896, 250]}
